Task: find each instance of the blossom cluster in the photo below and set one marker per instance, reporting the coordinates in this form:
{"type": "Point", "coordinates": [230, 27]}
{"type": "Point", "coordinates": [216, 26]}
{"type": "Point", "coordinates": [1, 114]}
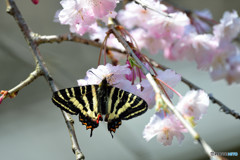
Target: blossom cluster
{"type": "Point", "coordinates": [192, 106]}
{"type": "Point", "coordinates": [179, 35]}
{"type": "Point", "coordinates": [80, 15]}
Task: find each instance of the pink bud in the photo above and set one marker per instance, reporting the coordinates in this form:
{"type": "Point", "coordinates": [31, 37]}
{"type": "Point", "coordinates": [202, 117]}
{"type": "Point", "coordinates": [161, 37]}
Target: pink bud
{"type": "Point", "coordinates": [35, 2]}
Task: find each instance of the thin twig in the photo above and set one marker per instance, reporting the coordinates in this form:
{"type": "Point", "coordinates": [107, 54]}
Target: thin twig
{"type": "Point", "coordinates": [222, 106]}
{"type": "Point", "coordinates": [13, 10]}
{"type": "Point", "coordinates": [159, 94]}
{"type": "Point", "coordinates": [145, 5]}
{"type": "Point", "coordinates": [32, 76]}
{"type": "Point", "coordinates": [40, 39]}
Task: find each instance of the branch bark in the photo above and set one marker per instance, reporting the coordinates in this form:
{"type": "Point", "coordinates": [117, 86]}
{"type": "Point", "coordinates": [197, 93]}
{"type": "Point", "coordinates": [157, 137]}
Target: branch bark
{"type": "Point", "coordinates": [14, 11]}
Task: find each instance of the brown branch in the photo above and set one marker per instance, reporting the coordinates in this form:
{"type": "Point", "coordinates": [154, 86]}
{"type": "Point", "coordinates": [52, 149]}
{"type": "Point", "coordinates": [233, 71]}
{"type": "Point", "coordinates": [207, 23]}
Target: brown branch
{"type": "Point", "coordinates": [146, 6]}
{"type": "Point", "coordinates": [32, 76]}
{"type": "Point", "coordinates": [13, 10]}
{"type": "Point", "coordinates": [40, 39]}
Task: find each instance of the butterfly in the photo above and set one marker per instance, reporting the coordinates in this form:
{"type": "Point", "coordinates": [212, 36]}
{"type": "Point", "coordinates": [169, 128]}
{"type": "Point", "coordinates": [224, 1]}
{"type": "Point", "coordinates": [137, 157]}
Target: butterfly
{"type": "Point", "coordinates": [91, 102]}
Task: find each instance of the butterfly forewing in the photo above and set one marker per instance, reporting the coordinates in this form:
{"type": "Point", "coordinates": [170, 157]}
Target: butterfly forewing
{"type": "Point", "coordinates": [79, 100]}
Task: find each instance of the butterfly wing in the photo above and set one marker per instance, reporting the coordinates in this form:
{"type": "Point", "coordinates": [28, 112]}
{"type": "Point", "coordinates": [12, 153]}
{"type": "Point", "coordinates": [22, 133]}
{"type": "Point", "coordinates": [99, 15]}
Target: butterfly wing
{"type": "Point", "coordinates": [80, 100]}
{"type": "Point", "coordinates": [122, 105]}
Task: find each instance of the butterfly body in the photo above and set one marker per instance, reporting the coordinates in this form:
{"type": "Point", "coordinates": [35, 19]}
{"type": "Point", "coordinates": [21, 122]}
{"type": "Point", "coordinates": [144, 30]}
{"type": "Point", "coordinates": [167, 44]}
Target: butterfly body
{"type": "Point", "coordinates": [91, 102]}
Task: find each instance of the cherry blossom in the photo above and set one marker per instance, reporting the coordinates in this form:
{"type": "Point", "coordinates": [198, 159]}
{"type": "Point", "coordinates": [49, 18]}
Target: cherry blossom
{"type": "Point", "coordinates": [80, 15]}
{"type": "Point", "coordinates": [193, 104]}
{"type": "Point", "coordinates": [165, 128]}
{"type": "Point", "coordinates": [146, 40]}
{"type": "Point", "coordinates": [99, 34]}
{"type": "Point", "coordinates": [115, 76]}
{"type": "Point", "coordinates": [201, 48]}
{"type": "Point", "coordinates": [168, 76]}
{"type": "Point", "coordinates": [169, 28]}
{"type": "Point", "coordinates": [234, 69]}
{"type": "Point", "coordinates": [229, 26]}
{"type": "Point", "coordinates": [95, 76]}
{"type": "Point", "coordinates": [201, 20]}
{"type": "Point", "coordinates": [136, 15]}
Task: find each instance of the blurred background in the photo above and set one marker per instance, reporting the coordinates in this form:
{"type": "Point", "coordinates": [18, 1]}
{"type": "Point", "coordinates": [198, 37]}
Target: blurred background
{"type": "Point", "coordinates": [32, 127]}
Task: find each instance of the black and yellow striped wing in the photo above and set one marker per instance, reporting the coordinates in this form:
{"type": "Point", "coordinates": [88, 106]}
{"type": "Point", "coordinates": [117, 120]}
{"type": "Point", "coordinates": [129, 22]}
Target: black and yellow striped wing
{"type": "Point", "coordinates": [123, 105]}
{"type": "Point", "coordinates": [80, 100]}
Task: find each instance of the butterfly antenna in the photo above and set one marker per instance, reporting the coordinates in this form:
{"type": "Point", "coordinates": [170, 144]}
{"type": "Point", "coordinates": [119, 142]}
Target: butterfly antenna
{"type": "Point", "coordinates": [95, 75]}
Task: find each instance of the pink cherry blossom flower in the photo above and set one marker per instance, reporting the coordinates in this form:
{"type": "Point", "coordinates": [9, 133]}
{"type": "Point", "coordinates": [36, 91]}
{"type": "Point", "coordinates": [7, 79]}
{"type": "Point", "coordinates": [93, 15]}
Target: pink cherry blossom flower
{"type": "Point", "coordinates": [146, 40]}
{"type": "Point", "coordinates": [165, 128]}
{"type": "Point", "coordinates": [169, 28]}
{"type": "Point", "coordinates": [229, 27]}
{"type": "Point", "coordinates": [193, 104]}
{"type": "Point", "coordinates": [233, 74]}
{"type": "Point", "coordinates": [136, 15]}
{"type": "Point", "coordinates": [201, 48]}
{"type": "Point", "coordinates": [80, 15]}
{"type": "Point", "coordinates": [115, 76]}
{"type": "Point", "coordinates": [201, 20]}
{"type": "Point", "coordinates": [102, 8]}
{"type": "Point", "coordinates": [95, 76]}
{"type": "Point", "coordinates": [168, 76]}
{"type": "Point", "coordinates": [220, 66]}
{"type": "Point", "coordinates": [99, 34]}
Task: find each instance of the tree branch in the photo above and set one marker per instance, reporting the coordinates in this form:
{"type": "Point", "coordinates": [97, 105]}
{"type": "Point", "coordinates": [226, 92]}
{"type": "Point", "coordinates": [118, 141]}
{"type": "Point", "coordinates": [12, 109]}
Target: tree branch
{"type": "Point", "coordinates": [40, 39]}
{"type": "Point", "coordinates": [32, 76]}
{"type": "Point", "coordinates": [145, 5]}
{"type": "Point", "coordinates": [160, 95]}
{"type": "Point", "coordinates": [13, 10]}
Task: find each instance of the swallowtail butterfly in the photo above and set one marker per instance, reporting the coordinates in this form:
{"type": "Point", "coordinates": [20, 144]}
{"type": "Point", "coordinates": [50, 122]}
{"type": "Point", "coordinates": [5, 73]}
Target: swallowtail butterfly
{"type": "Point", "coordinates": [93, 101]}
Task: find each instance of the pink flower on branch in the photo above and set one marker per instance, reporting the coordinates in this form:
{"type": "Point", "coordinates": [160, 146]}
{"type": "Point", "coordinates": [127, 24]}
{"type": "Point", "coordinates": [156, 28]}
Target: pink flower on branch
{"type": "Point", "coordinates": [168, 76]}
{"type": "Point", "coordinates": [115, 76]}
{"type": "Point", "coordinates": [193, 104]}
{"type": "Point", "coordinates": [165, 125]}
{"type": "Point", "coordinates": [80, 15]}
{"type": "Point", "coordinates": [165, 128]}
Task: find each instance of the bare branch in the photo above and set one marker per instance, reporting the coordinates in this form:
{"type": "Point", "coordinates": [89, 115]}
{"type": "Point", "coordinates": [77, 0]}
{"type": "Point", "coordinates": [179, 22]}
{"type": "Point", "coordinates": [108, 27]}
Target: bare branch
{"type": "Point", "coordinates": [145, 5]}
{"type": "Point", "coordinates": [13, 10]}
{"type": "Point", "coordinates": [32, 76]}
{"type": "Point", "coordinates": [40, 39]}
{"type": "Point", "coordinates": [160, 95]}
